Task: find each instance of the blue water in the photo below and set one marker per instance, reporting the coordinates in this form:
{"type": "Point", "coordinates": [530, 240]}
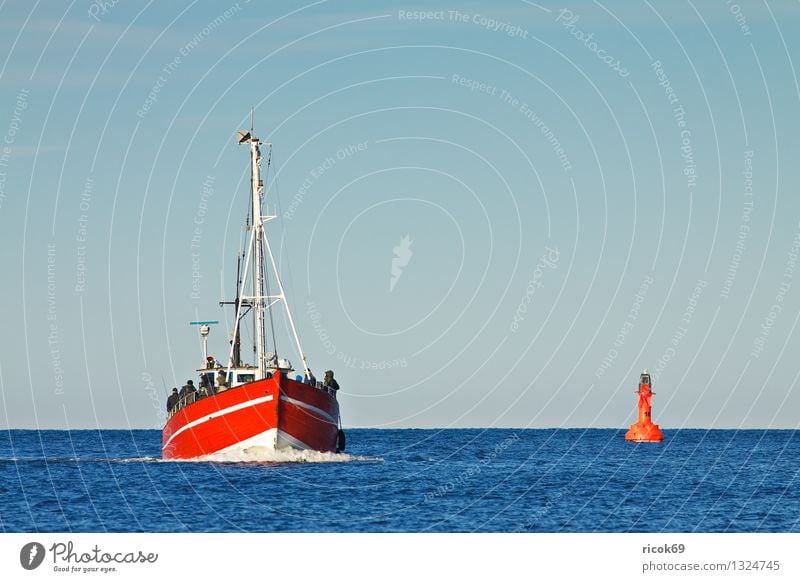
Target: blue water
{"type": "Point", "coordinates": [410, 481]}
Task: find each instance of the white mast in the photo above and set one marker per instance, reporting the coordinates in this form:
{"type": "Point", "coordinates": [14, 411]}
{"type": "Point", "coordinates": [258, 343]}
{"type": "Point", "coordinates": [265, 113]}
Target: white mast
{"type": "Point", "coordinates": [258, 242]}
{"type": "Point", "coordinates": [257, 189]}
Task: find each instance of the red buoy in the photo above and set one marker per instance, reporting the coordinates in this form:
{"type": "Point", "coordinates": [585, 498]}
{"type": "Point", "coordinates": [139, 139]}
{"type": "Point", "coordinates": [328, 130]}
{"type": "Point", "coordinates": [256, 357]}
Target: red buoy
{"type": "Point", "coordinates": [644, 431]}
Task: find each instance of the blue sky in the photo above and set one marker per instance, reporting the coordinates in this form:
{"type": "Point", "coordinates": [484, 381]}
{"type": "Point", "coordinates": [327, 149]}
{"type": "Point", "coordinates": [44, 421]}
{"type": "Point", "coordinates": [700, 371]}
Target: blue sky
{"type": "Point", "coordinates": [589, 189]}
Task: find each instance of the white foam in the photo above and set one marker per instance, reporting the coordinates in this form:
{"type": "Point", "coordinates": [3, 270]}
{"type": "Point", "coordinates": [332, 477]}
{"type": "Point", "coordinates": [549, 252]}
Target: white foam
{"type": "Point", "coordinates": [137, 460]}
{"type": "Point", "coordinates": [287, 455]}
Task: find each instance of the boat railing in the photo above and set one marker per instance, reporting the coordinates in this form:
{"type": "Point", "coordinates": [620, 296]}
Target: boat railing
{"type": "Point", "coordinates": [316, 384]}
{"type": "Point", "coordinates": [193, 397]}
{"type": "Point", "coordinates": [187, 399]}
{"type": "Point", "coordinates": [326, 389]}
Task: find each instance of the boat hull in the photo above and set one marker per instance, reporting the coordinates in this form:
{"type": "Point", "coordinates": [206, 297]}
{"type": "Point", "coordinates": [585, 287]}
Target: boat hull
{"type": "Point", "coordinates": [273, 413]}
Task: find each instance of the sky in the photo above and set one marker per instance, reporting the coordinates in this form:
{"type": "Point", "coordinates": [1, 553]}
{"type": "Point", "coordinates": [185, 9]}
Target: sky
{"type": "Point", "coordinates": [489, 214]}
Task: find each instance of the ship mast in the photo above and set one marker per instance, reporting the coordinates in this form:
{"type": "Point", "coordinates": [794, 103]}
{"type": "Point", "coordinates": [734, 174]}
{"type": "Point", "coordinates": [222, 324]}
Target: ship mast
{"type": "Point", "coordinates": [257, 190]}
{"type": "Point", "coordinates": [258, 244]}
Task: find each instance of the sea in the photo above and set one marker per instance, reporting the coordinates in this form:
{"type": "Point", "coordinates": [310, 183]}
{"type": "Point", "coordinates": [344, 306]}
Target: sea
{"type": "Point", "coordinates": [436, 480]}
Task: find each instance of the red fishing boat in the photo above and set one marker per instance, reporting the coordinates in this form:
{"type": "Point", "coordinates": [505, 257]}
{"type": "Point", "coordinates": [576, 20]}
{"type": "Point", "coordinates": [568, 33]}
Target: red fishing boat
{"type": "Point", "coordinates": [264, 405]}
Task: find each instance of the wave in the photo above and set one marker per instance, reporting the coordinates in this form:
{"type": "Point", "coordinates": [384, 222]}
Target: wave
{"type": "Point", "coordinates": [288, 455]}
{"type": "Point", "coordinates": [249, 455]}
{"type": "Point", "coordinates": [137, 460]}
{"type": "Point", "coordinates": [56, 460]}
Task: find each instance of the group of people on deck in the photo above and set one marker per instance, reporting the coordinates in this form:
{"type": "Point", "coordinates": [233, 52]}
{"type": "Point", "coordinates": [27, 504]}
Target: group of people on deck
{"type": "Point", "coordinates": [207, 388]}
{"type": "Point", "coordinates": [189, 393]}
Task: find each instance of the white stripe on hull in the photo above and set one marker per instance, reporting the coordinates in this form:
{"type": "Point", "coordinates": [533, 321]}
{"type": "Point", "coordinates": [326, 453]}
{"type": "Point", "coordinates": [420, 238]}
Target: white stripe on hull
{"type": "Point", "coordinates": [313, 409]}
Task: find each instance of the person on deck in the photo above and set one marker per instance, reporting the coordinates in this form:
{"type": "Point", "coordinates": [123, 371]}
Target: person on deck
{"type": "Point", "coordinates": [187, 389]}
{"type": "Point", "coordinates": [222, 384]}
{"type": "Point", "coordinates": [310, 379]}
{"type": "Point", "coordinates": [331, 385]}
{"type": "Point", "coordinates": [172, 400]}
{"type": "Point", "coordinates": [207, 384]}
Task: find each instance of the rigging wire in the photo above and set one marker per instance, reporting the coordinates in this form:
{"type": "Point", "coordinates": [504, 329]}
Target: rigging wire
{"type": "Point", "coordinates": [288, 270]}
{"type": "Point", "coordinates": [266, 278]}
